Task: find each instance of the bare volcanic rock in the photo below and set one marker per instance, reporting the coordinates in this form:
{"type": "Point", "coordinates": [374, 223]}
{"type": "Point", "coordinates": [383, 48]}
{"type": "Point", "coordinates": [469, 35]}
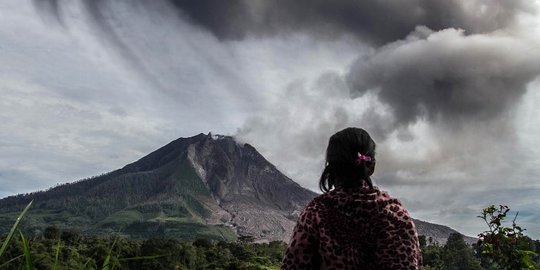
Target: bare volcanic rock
{"type": "Point", "coordinates": [263, 202]}
{"type": "Point", "coordinates": [438, 233]}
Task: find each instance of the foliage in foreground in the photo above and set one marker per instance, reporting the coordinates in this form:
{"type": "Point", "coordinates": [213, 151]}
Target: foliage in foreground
{"type": "Point", "coordinates": [505, 247]}
{"type": "Point", "coordinates": [498, 248]}
{"type": "Point", "coordinates": [75, 251]}
{"type": "Point", "coordinates": [55, 249]}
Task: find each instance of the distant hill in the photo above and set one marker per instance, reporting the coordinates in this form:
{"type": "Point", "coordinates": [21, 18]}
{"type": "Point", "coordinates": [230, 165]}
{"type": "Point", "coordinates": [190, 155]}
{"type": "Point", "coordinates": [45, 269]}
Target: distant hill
{"type": "Point", "coordinates": [206, 186]}
{"type": "Point", "coordinates": [439, 233]}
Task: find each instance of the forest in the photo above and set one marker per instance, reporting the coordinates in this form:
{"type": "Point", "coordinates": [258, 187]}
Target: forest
{"type": "Point", "coordinates": [56, 249]}
{"type": "Point", "coordinates": [70, 250]}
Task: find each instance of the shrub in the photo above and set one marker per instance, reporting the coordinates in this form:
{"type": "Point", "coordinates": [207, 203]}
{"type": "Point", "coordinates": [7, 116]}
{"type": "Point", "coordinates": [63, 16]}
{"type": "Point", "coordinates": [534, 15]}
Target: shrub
{"type": "Point", "coordinates": [504, 247]}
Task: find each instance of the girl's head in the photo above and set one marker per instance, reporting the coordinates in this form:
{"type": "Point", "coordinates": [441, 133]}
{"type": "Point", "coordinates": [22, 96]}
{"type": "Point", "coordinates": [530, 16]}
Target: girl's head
{"type": "Point", "coordinates": [350, 160]}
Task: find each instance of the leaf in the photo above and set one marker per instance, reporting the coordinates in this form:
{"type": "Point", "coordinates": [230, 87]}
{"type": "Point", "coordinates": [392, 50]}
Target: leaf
{"type": "Point", "coordinates": [55, 267]}
{"type": "Point", "coordinates": [108, 258]}
{"type": "Point", "coordinates": [8, 262]}
{"type": "Point", "coordinates": [87, 261]}
{"type": "Point", "coordinates": [28, 258]}
{"type": "Point", "coordinates": [12, 231]}
{"type": "Point", "coordinates": [142, 258]}
{"type": "Point", "coordinates": [106, 262]}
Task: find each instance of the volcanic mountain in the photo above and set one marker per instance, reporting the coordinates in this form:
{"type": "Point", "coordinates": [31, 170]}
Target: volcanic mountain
{"type": "Point", "coordinates": [202, 186]}
{"type": "Point", "coordinates": [206, 186]}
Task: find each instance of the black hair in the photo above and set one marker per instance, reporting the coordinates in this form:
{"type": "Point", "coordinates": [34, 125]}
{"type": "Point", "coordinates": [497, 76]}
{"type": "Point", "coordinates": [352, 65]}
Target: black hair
{"type": "Point", "coordinates": [342, 165]}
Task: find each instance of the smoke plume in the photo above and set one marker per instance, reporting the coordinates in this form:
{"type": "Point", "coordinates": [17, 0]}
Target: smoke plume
{"type": "Point", "coordinates": [373, 21]}
{"type": "Point", "coordinates": [448, 76]}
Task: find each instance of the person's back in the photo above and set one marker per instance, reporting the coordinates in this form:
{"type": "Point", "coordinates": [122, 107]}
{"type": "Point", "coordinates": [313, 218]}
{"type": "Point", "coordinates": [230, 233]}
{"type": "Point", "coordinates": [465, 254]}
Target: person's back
{"type": "Point", "coordinates": [355, 225]}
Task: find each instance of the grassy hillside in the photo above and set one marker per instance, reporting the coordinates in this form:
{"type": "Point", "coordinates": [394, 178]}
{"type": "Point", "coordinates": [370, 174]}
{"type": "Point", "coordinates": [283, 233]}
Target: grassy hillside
{"type": "Point", "coordinates": [170, 200]}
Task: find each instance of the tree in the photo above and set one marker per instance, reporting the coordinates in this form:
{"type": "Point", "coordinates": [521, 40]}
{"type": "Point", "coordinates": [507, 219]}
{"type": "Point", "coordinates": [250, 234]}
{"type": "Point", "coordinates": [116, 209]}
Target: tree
{"type": "Point", "coordinates": [457, 255]}
{"type": "Point", "coordinates": [422, 240]}
{"type": "Point", "coordinates": [432, 256]}
{"type": "Point", "coordinates": [246, 239]}
{"type": "Point", "coordinates": [70, 237]}
{"type": "Point", "coordinates": [51, 232]}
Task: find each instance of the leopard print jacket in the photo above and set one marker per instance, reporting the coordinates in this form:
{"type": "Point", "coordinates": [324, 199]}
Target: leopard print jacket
{"type": "Point", "coordinates": [354, 228]}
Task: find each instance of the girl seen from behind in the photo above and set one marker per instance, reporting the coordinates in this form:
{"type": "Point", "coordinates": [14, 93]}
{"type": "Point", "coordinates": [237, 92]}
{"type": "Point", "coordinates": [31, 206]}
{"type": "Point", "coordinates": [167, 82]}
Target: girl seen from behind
{"type": "Point", "coordinates": [353, 224]}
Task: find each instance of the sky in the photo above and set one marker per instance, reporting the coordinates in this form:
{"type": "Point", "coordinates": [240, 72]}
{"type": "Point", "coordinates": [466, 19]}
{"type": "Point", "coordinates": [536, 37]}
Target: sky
{"type": "Point", "coordinates": [449, 90]}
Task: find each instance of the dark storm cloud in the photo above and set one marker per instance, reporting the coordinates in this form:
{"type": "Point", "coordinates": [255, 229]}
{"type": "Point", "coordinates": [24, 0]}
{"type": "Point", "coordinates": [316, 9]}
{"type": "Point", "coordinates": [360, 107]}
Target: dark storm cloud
{"type": "Point", "coordinates": [377, 22]}
{"type": "Point", "coordinates": [447, 75]}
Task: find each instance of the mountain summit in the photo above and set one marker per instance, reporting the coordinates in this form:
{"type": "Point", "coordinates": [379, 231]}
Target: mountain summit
{"type": "Point", "coordinates": [261, 201]}
{"type": "Point", "coordinates": [203, 186]}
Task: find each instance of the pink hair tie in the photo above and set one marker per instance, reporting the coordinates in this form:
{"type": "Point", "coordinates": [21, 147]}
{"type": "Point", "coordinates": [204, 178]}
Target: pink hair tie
{"type": "Point", "coordinates": [361, 158]}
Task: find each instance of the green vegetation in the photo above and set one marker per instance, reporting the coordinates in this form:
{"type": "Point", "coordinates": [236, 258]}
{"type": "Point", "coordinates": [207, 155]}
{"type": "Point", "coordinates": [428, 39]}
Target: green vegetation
{"type": "Point", "coordinates": [455, 255]}
{"type": "Point", "coordinates": [6, 241]}
{"type": "Point", "coordinates": [72, 250]}
{"type": "Point", "coordinates": [168, 201]}
{"type": "Point", "coordinates": [500, 247]}
{"type": "Point", "coordinates": [504, 247]}
{"type": "Point", "coordinates": [68, 250]}
{"type": "Point", "coordinates": [56, 249]}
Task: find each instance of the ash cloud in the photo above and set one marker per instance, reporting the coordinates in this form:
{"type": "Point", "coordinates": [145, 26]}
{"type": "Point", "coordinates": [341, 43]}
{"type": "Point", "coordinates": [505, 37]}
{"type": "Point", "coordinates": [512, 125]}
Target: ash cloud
{"type": "Point", "coordinates": [435, 73]}
{"type": "Point", "coordinates": [453, 100]}
{"type": "Point", "coordinates": [375, 22]}
{"type": "Point", "coordinates": [438, 71]}
{"type": "Point", "coordinates": [447, 76]}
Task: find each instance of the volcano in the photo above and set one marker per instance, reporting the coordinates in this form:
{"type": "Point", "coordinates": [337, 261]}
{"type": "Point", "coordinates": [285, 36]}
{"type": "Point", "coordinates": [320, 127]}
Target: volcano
{"type": "Point", "coordinates": [205, 186]}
